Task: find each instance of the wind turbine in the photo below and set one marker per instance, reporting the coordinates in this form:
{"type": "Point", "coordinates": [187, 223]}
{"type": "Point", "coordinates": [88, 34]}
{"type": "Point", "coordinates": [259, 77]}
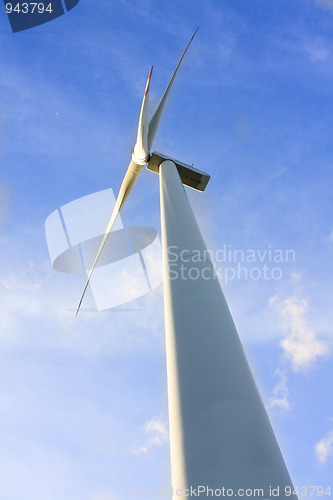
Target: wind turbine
{"type": "Point", "coordinates": [221, 439]}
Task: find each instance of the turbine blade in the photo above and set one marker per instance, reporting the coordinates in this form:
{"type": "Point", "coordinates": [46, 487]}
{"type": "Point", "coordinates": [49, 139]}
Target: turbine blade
{"type": "Point", "coordinates": [141, 151]}
{"type": "Point", "coordinates": [127, 185]}
{"type": "Point", "coordinates": [155, 120]}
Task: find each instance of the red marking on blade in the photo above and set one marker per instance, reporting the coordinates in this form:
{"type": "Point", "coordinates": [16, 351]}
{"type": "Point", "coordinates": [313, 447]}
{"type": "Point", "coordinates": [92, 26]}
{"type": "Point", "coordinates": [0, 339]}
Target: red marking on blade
{"type": "Point", "coordinates": [148, 81]}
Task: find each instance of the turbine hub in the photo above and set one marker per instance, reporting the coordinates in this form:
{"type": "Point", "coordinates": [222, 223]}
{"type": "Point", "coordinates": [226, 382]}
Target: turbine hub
{"type": "Point", "coordinates": [140, 161]}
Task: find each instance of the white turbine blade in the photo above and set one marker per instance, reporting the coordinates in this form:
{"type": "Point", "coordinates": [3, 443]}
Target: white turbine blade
{"type": "Point", "coordinates": [127, 185]}
{"type": "Point", "coordinates": [155, 120]}
{"type": "Point", "coordinates": [141, 151]}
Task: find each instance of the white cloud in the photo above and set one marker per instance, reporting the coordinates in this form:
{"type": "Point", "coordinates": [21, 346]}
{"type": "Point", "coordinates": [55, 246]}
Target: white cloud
{"type": "Point", "coordinates": [302, 346]}
{"type": "Point", "coordinates": [325, 3]}
{"type": "Point", "coordinates": [104, 496]}
{"type": "Point", "coordinates": [4, 199]}
{"type": "Point", "coordinates": [19, 300]}
{"type": "Point", "coordinates": [296, 277]}
{"type": "Point", "coordinates": [317, 51]}
{"type": "Point", "coordinates": [330, 240]}
{"type": "Point", "coordinates": [324, 448]}
{"type": "Point", "coordinates": [38, 306]}
{"type": "Point", "coordinates": [157, 432]}
{"type": "Point", "coordinates": [280, 394]}
{"type": "Point", "coordinates": [42, 400]}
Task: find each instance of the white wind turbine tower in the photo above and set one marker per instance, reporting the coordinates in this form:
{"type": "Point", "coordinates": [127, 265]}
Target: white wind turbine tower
{"type": "Point", "coordinates": [221, 440]}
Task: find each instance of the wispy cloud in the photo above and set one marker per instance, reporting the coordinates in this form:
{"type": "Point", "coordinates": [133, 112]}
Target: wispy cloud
{"type": "Point", "coordinates": [324, 448]}
{"type": "Point", "coordinates": [302, 346]}
{"type": "Point", "coordinates": [37, 299]}
{"type": "Point", "coordinates": [40, 401]}
{"type": "Point", "coordinates": [19, 299]}
{"type": "Point", "coordinates": [104, 496]}
{"type": "Point", "coordinates": [4, 198]}
{"type": "Point", "coordinates": [317, 52]}
{"type": "Point", "coordinates": [156, 431]}
{"type": "Point", "coordinates": [330, 239]}
{"type": "Point", "coordinates": [279, 398]}
{"type": "Point", "coordinates": [325, 3]}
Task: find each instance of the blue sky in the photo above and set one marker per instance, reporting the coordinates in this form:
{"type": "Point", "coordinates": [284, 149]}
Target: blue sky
{"type": "Point", "coordinates": [83, 409]}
